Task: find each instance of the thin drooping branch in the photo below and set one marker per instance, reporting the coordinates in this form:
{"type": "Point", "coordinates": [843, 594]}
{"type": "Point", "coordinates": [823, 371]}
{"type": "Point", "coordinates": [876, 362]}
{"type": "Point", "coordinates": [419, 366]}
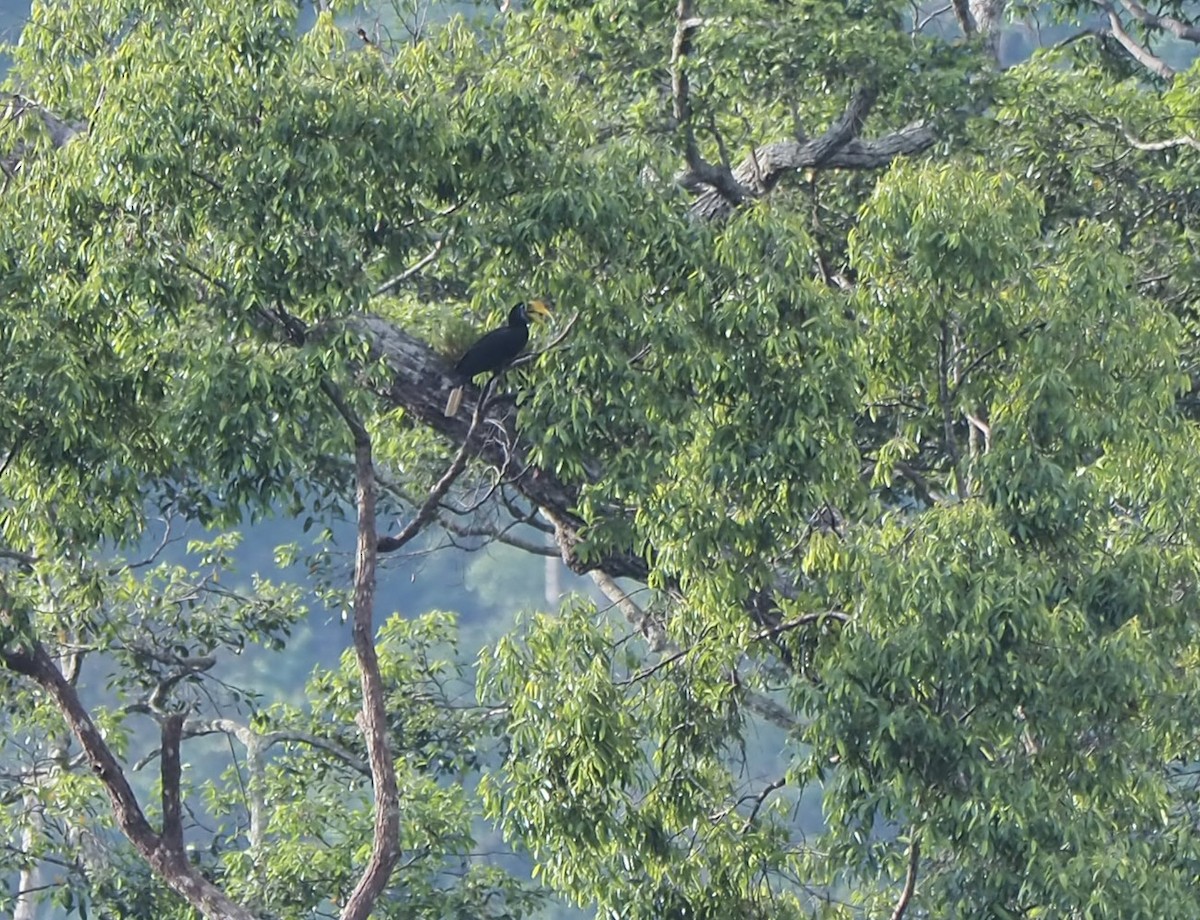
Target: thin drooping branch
{"type": "Point", "coordinates": [498, 534]}
{"type": "Point", "coordinates": [921, 22]}
{"type": "Point", "coordinates": [910, 878]}
{"type": "Point", "coordinates": [651, 629]}
{"type": "Point", "coordinates": [806, 619]}
{"type": "Point", "coordinates": [168, 862]}
{"type": "Point", "coordinates": [760, 799]}
{"type": "Point", "coordinates": [385, 843]}
{"type": "Point", "coordinates": [429, 508]}
{"type": "Point", "coordinates": [245, 734]}
{"type": "Point", "coordinates": [413, 269]}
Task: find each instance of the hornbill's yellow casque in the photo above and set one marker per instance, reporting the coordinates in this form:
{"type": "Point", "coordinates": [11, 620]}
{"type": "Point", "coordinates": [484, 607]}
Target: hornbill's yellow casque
{"type": "Point", "coordinates": [495, 351]}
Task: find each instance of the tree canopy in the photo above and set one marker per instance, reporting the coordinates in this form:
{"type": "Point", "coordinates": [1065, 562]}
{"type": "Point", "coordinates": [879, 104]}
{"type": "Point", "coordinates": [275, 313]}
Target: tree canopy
{"type": "Point", "coordinates": [869, 407]}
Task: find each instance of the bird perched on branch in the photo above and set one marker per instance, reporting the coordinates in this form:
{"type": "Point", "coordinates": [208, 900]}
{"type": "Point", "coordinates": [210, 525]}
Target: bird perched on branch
{"type": "Point", "coordinates": [496, 350]}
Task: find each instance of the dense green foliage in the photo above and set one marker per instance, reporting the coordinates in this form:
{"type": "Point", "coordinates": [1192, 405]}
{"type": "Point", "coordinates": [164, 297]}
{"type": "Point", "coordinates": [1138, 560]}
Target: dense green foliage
{"type": "Point", "coordinates": [908, 451]}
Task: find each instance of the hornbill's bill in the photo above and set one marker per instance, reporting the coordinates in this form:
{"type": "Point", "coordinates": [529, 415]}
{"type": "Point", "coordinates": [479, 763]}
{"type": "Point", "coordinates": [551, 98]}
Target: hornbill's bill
{"type": "Point", "coordinates": [495, 351]}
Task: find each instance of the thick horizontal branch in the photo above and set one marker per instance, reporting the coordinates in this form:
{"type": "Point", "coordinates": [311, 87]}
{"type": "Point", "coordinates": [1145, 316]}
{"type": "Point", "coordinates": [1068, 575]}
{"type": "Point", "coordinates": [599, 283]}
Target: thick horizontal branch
{"type": "Point", "coordinates": [1184, 140]}
{"type": "Point", "coordinates": [763, 169]}
{"type": "Point", "coordinates": [418, 381]}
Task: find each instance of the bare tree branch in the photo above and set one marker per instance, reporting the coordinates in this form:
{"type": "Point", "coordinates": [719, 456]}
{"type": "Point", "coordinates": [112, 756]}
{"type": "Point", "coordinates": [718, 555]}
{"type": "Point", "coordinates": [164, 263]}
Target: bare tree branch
{"type": "Point", "coordinates": [500, 535]}
{"type": "Point", "coordinates": [760, 799]}
{"type": "Point", "coordinates": [1184, 140]}
{"type": "Point", "coordinates": [700, 173]}
{"type": "Point", "coordinates": [1177, 27]}
{"type": "Point", "coordinates": [385, 844]}
{"type": "Point", "coordinates": [167, 861]}
{"type": "Point", "coordinates": [651, 629]}
{"type": "Point", "coordinates": [428, 510]}
{"type": "Point", "coordinates": [837, 148]}
{"type": "Point", "coordinates": [413, 269]}
{"type": "Point", "coordinates": [243, 733]}
{"type": "Point", "coordinates": [807, 619]}
{"type": "Point", "coordinates": [1135, 50]}
{"type": "Point", "coordinates": [910, 878]}
{"type": "Point", "coordinates": [920, 23]}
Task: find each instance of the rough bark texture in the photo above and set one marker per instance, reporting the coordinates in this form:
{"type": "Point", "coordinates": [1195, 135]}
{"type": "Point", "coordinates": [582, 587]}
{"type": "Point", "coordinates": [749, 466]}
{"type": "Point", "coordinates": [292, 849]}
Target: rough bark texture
{"type": "Point", "coordinates": [420, 379]}
{"type": "Point", "coordinates": [385, 846]}
{"type": "Point", "coordinates": [989, 21]}
{"type": "Point", "coordinates": [838, 148]}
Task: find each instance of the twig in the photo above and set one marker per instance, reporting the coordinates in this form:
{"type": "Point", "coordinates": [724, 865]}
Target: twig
{"type": "Point", "coordinates": [413, 269]}
{"type": "Point", "coordinates": [807, 619]}
{"type": "Point", "coordinates": [553, 343]}
{"type": "Point", "coordinates": [666, 661]}
{"type": "Point", "coordinates": [244, 734]}
{"type": "Point", "coordinates": [760, 799]}
{"type": "Point", "coordinates": [501, 536]}
{"type": "Point", "coordinates": [429, 508]}
{"type": "Point", "coordinates": [919, 24]}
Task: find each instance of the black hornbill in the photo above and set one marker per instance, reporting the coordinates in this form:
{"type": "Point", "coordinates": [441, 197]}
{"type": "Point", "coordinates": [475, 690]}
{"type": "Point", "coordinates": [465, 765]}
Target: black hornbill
{"type": "Point", "coordinates": [495, 351]}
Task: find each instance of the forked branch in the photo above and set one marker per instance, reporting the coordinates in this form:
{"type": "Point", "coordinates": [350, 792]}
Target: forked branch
{"type": "Point", "coordinates": [385, 843]}
{"type": "Point", "coordinates": [161, 852]}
